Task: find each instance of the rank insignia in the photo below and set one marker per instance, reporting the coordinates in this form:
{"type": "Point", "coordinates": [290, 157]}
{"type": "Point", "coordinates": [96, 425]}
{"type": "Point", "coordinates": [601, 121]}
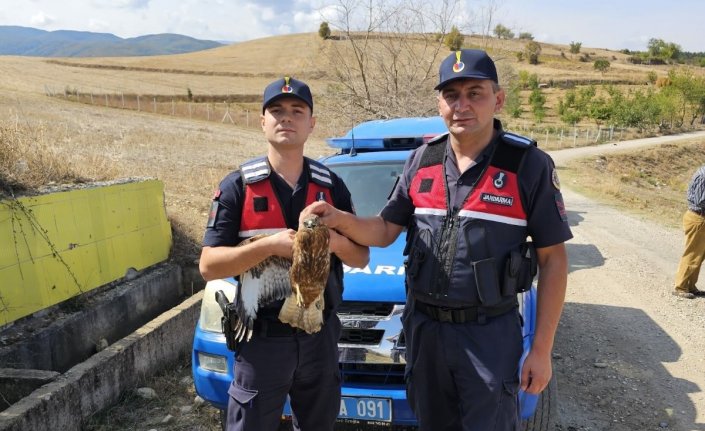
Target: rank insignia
{"type": "Point", "coordinates": [499, 179]}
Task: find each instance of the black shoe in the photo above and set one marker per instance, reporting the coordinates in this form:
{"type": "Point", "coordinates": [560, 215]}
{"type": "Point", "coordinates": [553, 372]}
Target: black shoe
{"type": "Point", "coordinates": [699, 293]}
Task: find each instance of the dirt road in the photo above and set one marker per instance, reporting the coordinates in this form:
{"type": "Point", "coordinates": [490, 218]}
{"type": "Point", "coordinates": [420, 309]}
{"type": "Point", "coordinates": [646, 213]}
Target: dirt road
{"type": "Point", "coordinates": [628, 354]}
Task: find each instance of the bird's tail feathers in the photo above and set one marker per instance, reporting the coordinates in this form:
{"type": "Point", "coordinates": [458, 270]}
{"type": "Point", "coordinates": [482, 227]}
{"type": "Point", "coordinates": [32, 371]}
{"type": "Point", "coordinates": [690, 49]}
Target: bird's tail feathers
{"type": "Point", "coordinates": [309, 319]}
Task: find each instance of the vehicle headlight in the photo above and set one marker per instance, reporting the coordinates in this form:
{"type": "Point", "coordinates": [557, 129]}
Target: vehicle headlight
{"type": "Point", "coordinates": [210, 310]}
{"type": "Point", "coordinates": [216, 363]}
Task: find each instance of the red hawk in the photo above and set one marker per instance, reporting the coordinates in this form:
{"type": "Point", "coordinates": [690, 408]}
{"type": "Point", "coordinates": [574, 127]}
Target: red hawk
{"type": "Point", "coordinates": [308, 276]}
{"type": "Point", "coordinates": [301, 283]}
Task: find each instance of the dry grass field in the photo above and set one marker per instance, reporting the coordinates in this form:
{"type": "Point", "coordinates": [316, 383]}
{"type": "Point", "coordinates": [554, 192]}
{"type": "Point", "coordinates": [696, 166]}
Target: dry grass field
{"type": "Point", "coordinates": [91, 142]}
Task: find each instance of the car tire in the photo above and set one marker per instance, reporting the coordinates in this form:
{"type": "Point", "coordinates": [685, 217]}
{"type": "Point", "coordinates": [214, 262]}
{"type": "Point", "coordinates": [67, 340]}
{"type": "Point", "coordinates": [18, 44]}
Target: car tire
{"type": "Point", "coordinates": [545, 417]}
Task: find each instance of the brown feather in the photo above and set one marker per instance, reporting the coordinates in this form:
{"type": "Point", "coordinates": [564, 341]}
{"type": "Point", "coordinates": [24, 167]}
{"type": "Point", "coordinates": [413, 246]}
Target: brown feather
{"type": "Point", "coordinates": [311, 261]}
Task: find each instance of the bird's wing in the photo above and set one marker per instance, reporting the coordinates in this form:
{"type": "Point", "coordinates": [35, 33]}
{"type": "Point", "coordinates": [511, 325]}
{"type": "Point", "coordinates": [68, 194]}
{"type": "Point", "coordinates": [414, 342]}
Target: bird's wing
{"type": "Point", "coordinates": [274, 280]}
{"type": "Point", "coordinates": [266, 282]}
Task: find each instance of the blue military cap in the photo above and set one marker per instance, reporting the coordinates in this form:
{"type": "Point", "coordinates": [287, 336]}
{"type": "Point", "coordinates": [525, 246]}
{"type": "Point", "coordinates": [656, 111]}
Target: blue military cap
{"type": "Point", "coordinates": [466, 63]}
{"type": "Point", "coordinates": [287, 86]}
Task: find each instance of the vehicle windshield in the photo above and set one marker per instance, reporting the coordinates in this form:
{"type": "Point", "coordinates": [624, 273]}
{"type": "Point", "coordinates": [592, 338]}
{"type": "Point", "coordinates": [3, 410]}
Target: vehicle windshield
{"type": "Point", "coordinates": [370, 184]}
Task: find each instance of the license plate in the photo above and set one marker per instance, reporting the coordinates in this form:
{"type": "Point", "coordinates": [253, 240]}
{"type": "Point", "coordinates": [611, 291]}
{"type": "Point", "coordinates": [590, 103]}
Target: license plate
{"type": "Point", "coordinates": [366, 409]}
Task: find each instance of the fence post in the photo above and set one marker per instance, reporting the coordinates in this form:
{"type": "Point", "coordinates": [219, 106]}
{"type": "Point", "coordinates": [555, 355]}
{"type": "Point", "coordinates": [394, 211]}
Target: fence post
{"type": "Point", "coordinates": [227, 114]}
{"type": "Point", "coordinates": [154, 104]}
{"type": "Point", "coordinates": [575, 135]}
{"type": "Point", "coordinates": [91, 97]}
{"type": "Point", "coordinates": [122, 96]}
{"type": "Point", "coordinates": [138, 102]}
{"type": "Point", "coordinates": [547, 137]}
{"type": "Point", "coordinates": [560, 140]}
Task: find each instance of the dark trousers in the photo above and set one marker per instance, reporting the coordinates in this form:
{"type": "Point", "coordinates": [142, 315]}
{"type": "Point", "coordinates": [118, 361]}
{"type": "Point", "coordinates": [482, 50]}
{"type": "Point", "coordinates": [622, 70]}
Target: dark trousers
{"type": "Point", "coordinates": [464, 376]}
{"type": "Point", "coordinates": [303, 366]}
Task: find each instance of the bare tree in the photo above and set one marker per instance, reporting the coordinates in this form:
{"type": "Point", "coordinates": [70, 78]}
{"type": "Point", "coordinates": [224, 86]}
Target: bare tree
{"type": "Point", "coordinates": [384, 55]}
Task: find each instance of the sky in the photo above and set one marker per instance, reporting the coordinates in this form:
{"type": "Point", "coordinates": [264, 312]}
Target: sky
{"type": "Point", "coordinates": [613, 24]}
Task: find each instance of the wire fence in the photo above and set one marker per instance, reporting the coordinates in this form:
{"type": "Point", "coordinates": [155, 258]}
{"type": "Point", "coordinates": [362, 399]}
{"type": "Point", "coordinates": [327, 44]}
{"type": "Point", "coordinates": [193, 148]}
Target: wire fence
{"type": "Point", "coordinates": [231, 109]}
{"type": "Point", "coordinates": [242, 110]}
{"type": "Point", "coordinates": [563, 136]}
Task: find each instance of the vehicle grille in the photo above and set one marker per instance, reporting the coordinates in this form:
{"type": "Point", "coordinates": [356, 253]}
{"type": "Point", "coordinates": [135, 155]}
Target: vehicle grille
{"type": "Point", "coordinates": [382, 374]}
{"type": "Point", "coordinates": [361, 336]}
{"type": "Point", "coordinates": [367, 309]}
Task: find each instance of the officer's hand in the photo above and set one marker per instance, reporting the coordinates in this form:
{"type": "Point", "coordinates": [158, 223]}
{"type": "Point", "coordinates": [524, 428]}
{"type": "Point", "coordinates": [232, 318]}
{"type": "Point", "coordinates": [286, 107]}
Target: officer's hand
{"type": "Point", "coordinates": [336, 240]}
{"type": "Point", "coordinates": [281, 243]}
{"type": "Point", "coordinates": [324, 210]}
{"type": "Point", "coordinates": [536, 372]}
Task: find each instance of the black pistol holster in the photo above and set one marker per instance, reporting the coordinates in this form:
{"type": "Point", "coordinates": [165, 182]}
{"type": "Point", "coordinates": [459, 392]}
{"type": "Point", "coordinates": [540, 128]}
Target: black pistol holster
{"type": "Point", "coordinates": [520, 270]}
{"type": "Point", "coordinates": [228, 320]}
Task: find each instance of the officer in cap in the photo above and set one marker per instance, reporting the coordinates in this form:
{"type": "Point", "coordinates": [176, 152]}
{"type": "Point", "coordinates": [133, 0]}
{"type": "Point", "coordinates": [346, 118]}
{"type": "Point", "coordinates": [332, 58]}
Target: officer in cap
{"type": "Point", "coordinates": [470, 198]}
{"type": "Point", "coordinates": [266, 195]}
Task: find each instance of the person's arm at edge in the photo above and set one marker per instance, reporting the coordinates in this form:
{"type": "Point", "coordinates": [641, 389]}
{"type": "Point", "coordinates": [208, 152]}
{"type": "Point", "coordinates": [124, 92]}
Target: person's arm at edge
{"type": "Point", "coordinates": [552, 282]}
{"type": "Point", "coordinates": [350, 253]}
{"type": "Point", "coordinates": [224, 261]}
{"type": "Point", "coordinates": [369, 231]}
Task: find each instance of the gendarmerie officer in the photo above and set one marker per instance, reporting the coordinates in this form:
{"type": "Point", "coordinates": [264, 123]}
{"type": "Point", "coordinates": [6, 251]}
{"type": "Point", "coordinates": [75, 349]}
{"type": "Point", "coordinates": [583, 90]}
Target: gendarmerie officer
{"type": "Point", "coordinates": [266, 195]}
{"type": "Point", "coordinates": [470, 199]}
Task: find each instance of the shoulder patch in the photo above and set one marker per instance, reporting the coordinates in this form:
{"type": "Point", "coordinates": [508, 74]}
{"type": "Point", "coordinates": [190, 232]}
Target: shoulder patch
{"type": "Point", "coordinates": [518, 140]}
{"type": "Point", "coordinates": [319, 173]}
{"type": "Point", "coordinates": [554, 179]}
{"type": "Point", "coordinates": [255, 170]}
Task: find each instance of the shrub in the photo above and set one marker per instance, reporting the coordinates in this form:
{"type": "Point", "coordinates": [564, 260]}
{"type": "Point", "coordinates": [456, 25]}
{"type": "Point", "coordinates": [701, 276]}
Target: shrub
{"type": "Point", "coordinates": [602, 65]}
{"type": "Point", "coordinates": [575, 47]}
{"type": "Point", "coordinates": [454, 39]}
{"type": "Point", "coordinates": [324, 31]}
{"type": "Point", "coordinates": [532, 51]}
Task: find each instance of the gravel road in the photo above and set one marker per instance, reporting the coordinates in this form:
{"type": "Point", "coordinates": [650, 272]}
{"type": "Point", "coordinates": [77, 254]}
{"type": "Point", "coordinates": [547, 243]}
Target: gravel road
{"type": "Point", "coordinates": [628, 354]}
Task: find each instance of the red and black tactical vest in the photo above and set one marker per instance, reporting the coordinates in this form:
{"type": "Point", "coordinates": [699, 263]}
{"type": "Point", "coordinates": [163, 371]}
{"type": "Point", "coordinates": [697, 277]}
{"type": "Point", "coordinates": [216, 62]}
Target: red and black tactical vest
{"type": "Point", "coordinates": [261, 211]}
{"type": "Point", "coordinates": [457, 257]}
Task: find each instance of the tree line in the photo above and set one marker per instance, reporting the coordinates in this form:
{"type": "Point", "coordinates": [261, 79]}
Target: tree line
{"type": "Point", "coordinates": [670, 103]}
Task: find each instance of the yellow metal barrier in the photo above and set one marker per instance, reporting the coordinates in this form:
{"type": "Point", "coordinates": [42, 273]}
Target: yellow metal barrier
{"type": "Point", "coordinates": [59, 245]}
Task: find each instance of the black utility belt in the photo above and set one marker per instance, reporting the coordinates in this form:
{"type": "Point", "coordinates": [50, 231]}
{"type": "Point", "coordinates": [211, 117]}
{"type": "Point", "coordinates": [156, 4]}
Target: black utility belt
{"type": "Point", "coordinates": [273, 328]}
{"type": "Point", "coordinates": [461, 315]}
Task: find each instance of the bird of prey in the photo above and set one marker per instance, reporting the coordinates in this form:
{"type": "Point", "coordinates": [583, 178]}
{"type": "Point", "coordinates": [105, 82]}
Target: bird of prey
{"type": "Point", "coordinates": [266, 282]}
{"type": "Point", "coordinates": [309, 275]}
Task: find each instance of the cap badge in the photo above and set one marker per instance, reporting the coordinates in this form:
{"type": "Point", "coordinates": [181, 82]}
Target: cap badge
{"type": "Point", "coordinates": [287, 88]}
{"type": "Point", "coordinates": [459, 65]}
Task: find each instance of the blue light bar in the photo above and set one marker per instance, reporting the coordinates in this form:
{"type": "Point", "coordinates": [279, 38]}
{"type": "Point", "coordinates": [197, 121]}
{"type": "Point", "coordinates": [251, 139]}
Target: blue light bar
{"type": "Point", "coordinates": [397, 133]}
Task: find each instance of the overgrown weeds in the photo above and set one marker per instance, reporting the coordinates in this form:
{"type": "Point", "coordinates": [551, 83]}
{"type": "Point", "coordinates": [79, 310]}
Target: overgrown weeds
{"type": "Point", "coordinates": [29, 160]}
